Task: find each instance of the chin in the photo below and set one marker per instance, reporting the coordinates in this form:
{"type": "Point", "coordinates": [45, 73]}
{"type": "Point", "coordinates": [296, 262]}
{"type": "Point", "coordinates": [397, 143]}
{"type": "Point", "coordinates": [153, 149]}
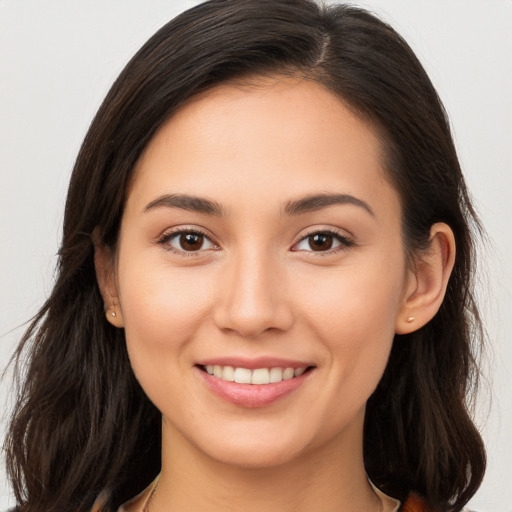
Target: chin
{"type": "Point", "coordinates": [253, 452]}
{"type": "Point", "coordinates": [252, 458]}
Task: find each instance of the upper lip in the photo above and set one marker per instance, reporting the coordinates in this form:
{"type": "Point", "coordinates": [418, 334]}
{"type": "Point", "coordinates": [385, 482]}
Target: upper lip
{"type": "Point", "coordinates": [254, 363]}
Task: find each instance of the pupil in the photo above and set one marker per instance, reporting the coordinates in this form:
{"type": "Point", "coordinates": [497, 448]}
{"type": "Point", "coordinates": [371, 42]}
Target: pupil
{"type": "Point", "coordinates": [320, 242]}
{"type": "Point", "coordinates": [191, 241]}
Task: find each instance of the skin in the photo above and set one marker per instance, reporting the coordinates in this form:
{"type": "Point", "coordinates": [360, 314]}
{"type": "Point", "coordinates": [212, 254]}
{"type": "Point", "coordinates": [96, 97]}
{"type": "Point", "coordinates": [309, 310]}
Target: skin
{"type": "Point", "coordinates": [256, 288]}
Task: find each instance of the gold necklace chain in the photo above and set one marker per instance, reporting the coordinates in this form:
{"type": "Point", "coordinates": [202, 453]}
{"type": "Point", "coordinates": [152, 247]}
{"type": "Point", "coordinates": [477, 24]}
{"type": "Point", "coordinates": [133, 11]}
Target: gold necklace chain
{"type": "Point", "coordinates": [150, 497]}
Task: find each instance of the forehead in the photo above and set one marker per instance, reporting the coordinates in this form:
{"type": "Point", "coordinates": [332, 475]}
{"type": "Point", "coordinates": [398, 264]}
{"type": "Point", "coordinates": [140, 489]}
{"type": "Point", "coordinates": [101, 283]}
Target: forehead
{"type": "Point", "coordinates": [286, 135]}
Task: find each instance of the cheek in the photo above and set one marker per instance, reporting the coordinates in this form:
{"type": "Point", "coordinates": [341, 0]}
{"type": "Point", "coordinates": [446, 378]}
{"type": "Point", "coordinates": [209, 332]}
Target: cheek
{"type": "Point", "coordinates": [162, 308]}
{"type": "Point", "coordinates": [353, 312]}
{"type": "Point", "coordinates": [355, 301]}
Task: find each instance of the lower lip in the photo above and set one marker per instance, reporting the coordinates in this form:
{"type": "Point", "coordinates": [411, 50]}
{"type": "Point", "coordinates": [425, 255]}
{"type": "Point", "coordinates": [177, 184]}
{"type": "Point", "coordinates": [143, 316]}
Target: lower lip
{"type": "Point", "coordinates": [252, 395]}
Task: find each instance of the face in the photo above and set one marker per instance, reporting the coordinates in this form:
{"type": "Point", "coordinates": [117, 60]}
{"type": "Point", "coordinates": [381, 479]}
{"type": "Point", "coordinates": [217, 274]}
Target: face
{"type": "Point", "coordinates": [260, 240]}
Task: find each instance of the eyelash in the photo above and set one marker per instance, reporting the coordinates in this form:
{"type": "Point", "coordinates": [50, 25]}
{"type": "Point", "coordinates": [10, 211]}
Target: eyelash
{"type": "Point", "coordinates": [169, 235]}
{"type": "Point", "coordinates": [164, 240]}
{"type": "Point", "coordinates": [345, 243]}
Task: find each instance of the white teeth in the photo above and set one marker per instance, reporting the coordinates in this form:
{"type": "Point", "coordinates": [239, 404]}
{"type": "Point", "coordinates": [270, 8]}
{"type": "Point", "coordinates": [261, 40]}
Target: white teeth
{"type": "Point", "coordinates": [276, 375]}
{"type": "Point", "coordinates": [228, 373]}
{"type": "Point", "coordinates": [298, 372]}
{"type": "Point", "coordinates": [288, 373]}
{"type": "Point", "coordinates": [243, 376]}
{"type": "Point", "coordinates": [258, 376]}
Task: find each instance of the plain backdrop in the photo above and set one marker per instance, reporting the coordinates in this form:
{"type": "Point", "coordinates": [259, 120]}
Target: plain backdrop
{"type": "Point", "coordinates": [57, 61]}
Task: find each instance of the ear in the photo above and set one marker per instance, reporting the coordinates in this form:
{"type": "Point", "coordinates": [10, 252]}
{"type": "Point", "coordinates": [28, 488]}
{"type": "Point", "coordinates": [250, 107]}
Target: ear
{"type": "Point", "coordinates": [104, 262]}
{"type": "Point", "coordinates": [427, 281]}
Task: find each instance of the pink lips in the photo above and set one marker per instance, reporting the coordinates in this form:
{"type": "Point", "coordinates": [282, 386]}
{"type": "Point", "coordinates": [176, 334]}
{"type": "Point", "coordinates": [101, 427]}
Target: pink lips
{"type": "Point", "coordinates": [252, 395]}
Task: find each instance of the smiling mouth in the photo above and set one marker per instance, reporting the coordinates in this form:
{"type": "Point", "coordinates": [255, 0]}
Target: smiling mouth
{"type": "Point", "coordinates": [258, 376]}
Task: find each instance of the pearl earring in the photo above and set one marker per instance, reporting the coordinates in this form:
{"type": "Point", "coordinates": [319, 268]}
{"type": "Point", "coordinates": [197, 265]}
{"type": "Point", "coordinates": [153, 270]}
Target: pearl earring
{"type": "Point", "coordinates": [410, 319]}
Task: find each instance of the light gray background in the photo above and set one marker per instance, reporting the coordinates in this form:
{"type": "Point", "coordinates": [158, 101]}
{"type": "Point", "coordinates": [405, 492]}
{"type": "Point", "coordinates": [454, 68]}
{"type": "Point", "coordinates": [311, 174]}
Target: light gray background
{"type": "Point", "coordinates": [57, 60]}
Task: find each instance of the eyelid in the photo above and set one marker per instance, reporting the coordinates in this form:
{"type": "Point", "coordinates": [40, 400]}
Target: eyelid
{"type": "Point", "coordinates": [171, 233]}
{"type": "Point", "coordinates": [344, 240]}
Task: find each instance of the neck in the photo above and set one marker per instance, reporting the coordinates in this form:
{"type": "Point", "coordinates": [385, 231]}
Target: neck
{"type": "Point", "coordinates": [330, 478]}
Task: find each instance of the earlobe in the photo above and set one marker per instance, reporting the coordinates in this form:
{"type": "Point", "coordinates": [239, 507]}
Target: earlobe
{"type": "Point", "coordinates": [428, 280]}
{"type": "Point", "coordinates": [114, 315]}
{"type": "Point", "coordinates": [104, 263]}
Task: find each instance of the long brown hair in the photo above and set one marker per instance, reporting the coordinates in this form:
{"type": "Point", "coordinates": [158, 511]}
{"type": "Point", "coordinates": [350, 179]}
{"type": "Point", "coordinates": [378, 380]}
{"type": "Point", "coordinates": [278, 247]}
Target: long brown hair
{"type": "Point", "coordinates": [82, 426]}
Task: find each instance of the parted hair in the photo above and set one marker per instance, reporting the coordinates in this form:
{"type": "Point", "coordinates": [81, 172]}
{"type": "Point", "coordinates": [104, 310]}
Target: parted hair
{"type": "Point", "coordinates": [82, 426]}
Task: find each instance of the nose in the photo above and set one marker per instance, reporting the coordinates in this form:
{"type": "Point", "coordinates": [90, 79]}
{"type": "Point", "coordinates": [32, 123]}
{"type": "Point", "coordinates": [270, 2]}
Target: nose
{"type": "Point", "coordinates": [253, 297]}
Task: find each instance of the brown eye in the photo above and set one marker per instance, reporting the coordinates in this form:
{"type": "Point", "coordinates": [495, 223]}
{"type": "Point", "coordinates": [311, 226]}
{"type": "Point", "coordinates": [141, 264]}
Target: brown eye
{"type": "Point", "coordinates": [320, 242]}
{"type": "Point", "coordinates": [191, 241]}
{"type": "Point", "coordinates": [187, 241]}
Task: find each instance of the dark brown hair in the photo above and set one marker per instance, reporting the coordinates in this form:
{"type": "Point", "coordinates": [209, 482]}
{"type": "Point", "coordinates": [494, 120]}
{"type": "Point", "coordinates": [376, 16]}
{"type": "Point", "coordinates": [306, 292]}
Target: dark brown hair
{"type": "Point", "coordinates": [83, 426]}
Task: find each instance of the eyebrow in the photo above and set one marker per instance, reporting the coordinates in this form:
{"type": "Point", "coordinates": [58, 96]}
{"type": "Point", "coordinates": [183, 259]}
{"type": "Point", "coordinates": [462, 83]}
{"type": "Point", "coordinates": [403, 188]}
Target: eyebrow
{"type": "Point", "coordinates": [186, 202]}
{"type": "Point", "coordinates": [300, 206]}
{"type": "Point", "coordinates": [317, 202]}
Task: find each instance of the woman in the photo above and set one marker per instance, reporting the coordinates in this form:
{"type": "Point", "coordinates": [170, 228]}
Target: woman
{"type": "Point", "coordinates": [264, 295]}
